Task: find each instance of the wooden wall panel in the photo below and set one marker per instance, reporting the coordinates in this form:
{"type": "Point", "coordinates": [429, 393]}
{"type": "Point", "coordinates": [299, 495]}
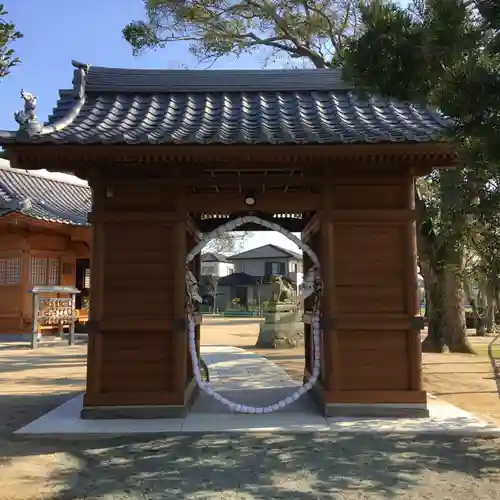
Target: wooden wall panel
{"type": "Point", "coordinates": [137, 353]}
{"type": "Point", "coordinates": [43, 243]}
{"type": "Point", "coordinates": [138, 272]}
{"type": "Point", "coordinates": [373, 360]}
{"type": "Point", "coordinates": [370, 265]}
{"type": "Point", "coordinates": [366, 197]}
{"type": "Point", "coordinates": [376, 357]}
{"type": "Point", "coordinates": [11, 242]}
{"type": "Point", "coordinates": [138, 195]}
{"type": "Point", "coordinates": [11, 296]}
{"type": "Point", "coordinates": [11, 314]}
{"type": "Point", "coordinates": [126, 368]}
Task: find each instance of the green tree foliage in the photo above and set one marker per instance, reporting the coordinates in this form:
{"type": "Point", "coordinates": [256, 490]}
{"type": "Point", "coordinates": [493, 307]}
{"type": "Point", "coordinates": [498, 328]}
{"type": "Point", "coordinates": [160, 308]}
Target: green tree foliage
{"type": "Point", "coordinates": [309, 30]}
{"type": "Point", "coordinates": [443, 53]}
{"type": "Point", "coordinates": [8, 34]}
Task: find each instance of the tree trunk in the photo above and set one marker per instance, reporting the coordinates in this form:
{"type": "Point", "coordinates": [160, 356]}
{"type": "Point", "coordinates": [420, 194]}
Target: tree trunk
{"type": "Point", "coordinates": [480, 324]}
{"type": "Point", "coordinates": [490, 308]}
{"type": "Point", "coordinates": [426, 305]}
{"type": "Point", "coordinates": [434, 342]}
{"type": "Point", "coordinates": [446, 314]}
{"type": "Point", "coordinates": [477, 310]}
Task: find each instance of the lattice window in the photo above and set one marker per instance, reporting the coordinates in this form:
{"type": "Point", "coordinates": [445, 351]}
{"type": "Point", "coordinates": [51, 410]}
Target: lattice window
{"type": "Point", "coordinates": [54, 272]}
{"type": "Point", "coordinates": [45, 271]}
{"type": "Point", "coordinates": [10, 271]}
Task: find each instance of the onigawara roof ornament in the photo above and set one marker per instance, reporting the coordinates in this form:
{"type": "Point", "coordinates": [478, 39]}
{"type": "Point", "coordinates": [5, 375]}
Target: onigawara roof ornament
{"type": "Point", "coordinates": [26, 118]}
{"type": "Point", "coordinates": [30, 129]}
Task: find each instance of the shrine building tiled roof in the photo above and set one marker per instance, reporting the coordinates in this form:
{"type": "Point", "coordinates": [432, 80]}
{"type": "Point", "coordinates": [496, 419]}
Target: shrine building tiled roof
{"type": "Point", "coordinates": [309, 106]}
{"type": "Point", "coordinates": [43, 198]}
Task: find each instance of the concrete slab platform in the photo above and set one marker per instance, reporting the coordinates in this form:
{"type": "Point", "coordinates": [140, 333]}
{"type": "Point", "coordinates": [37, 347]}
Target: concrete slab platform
{"type": "Point", "coordinates": [250, 379]}
{"type": "Point", "coordinates": [445, 419]}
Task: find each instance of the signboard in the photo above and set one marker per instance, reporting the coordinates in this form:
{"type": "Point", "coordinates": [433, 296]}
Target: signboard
{"type": "Point", "coordinates": [53, 306]}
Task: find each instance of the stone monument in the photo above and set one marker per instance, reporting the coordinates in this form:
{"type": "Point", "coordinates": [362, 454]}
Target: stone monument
{"type": "Point", "coordinates": [283, 326]}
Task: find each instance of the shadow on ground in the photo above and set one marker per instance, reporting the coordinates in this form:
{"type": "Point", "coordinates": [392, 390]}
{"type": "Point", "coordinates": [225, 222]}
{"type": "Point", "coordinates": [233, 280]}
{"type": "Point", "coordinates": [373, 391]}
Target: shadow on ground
{"type": "Point", "coordinates": [263, 467]}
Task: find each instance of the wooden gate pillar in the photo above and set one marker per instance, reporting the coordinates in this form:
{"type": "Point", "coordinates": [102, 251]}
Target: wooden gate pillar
{"type": "Point", "coordinates": [137, 356]}
{"type": "Point", "coordinates": [371, 332]}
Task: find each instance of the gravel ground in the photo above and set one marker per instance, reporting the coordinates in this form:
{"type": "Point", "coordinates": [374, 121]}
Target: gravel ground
{"type": "Point", "coordinates": [251, 467]}
{"type": "Point", "coordinates": [220, 467]}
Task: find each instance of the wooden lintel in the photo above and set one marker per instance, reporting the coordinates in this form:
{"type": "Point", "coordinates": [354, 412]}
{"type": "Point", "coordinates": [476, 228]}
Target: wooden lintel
{"type": "Point", "coordinates": [133, 217]}
{"type": "Point", "coordinates": [273, 203]}
{"type": "Point", "coordinates": [292, 225]}
{"type": "Point", "coordinates": [249, 181]}
{"type": "Point", "coordinates": [373, 216]}
{"type": "Point", "coordinates": [87, 160]}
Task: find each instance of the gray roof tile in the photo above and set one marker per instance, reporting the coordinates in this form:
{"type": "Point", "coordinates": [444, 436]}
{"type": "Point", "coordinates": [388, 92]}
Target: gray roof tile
{"type": "Point", "coordinates": [43, 198]}
{"type": "Point", "coordinates": [231, 107]}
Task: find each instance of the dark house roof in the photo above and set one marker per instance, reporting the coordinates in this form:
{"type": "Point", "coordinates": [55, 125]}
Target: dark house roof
{"type": "Point", "coordinates": [305, 106]}
{"type": "Point", "coordinates": [239, 279]}
{"type": "Point", "coordinates": [43, 198]}
{"type": "Point", "coordinates": [213, 257]}
{"type": "Point", "coordinates": [259, 253]}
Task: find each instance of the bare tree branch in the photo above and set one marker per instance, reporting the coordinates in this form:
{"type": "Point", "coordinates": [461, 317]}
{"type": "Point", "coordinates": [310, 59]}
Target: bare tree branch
{"type": "Point", "coordinates": [312, 30]}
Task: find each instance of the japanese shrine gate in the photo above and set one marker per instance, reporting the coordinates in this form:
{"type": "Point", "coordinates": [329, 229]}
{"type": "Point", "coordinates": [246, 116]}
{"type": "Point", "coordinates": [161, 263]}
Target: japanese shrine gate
{"type": "Point", "coordinates": [169, 154]}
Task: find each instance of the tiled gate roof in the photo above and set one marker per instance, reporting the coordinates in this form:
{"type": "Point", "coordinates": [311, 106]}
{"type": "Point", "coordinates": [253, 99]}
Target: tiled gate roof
{"type": "Point", "coordinates": [122, 106]}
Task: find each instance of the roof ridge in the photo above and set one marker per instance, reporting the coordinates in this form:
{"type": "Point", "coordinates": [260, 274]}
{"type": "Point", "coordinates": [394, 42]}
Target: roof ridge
{"type": "Point", "coordinates": [283, 249]}
{"type": "Point", "coordinates": [104, 79]}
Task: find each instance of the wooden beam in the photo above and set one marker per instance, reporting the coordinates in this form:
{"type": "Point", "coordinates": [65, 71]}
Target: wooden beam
{"type": "Point", "coordinates": [373, 216]}
{"type": "Point", "coordinates": [252, 181]}
{"type": "Point", "coordinates": [218, 152]}
{"type": "Point", "coordinates": [268, 202]}
{"type": "Point", "coordinates": [292, 225]}
{"type": "Point", "coordinates": [132, 216]}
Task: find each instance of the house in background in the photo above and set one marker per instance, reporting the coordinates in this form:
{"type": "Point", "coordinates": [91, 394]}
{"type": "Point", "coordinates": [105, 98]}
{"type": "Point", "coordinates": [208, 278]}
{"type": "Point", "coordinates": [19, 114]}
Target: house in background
{"type": "Point", "coordinates": [253, 269]}
{"type": "Point", "coordinates": [214, 264]}
{"type": "Point", "coordinates": [269, 260]}
{"type": "Point", "coordinates": [44, 240]}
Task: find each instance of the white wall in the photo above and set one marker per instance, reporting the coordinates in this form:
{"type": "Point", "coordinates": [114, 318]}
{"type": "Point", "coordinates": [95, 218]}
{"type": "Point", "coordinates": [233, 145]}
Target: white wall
{"type": "Point", "coordinates": [219, 269]}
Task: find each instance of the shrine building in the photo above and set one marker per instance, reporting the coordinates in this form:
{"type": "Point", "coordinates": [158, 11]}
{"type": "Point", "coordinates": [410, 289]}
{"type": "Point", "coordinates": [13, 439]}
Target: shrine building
{"type": "Point", "coordinates": [172, 154]}
{"type": "Point", "coordinates": [44, 240]}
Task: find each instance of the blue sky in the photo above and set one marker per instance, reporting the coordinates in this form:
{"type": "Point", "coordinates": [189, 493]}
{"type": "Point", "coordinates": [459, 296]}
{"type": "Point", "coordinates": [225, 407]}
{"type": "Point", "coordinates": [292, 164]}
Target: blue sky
{"type": "Point", "coordinates": [57, 31]}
